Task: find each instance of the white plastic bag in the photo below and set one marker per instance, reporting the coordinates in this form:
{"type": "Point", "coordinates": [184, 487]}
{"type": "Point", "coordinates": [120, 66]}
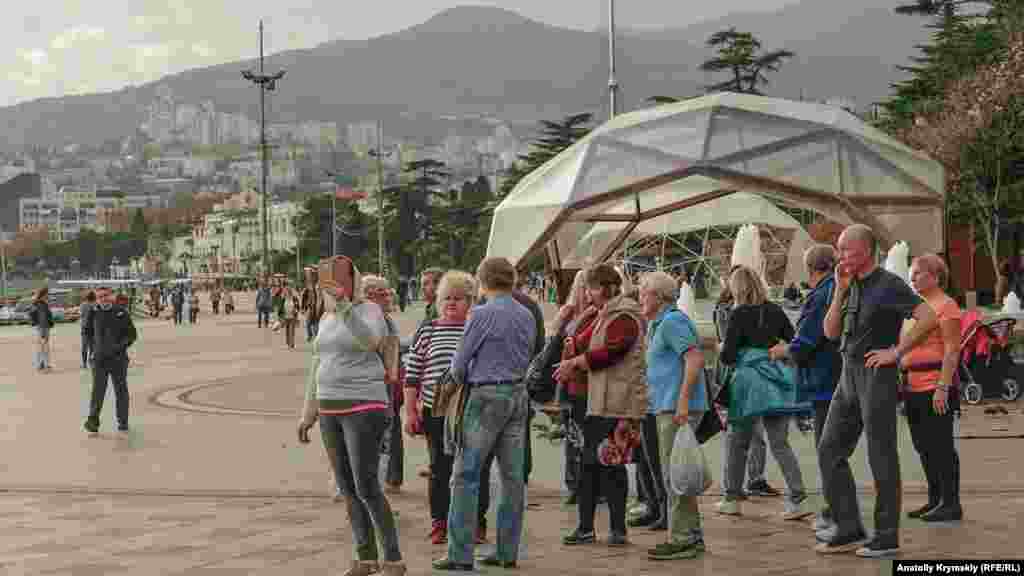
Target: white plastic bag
{"type": "Point", "coordinates": [689, 474]}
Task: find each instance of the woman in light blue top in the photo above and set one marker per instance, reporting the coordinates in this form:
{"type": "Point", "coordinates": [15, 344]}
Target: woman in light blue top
{"type": "Point", "coordinates": [678, 397]}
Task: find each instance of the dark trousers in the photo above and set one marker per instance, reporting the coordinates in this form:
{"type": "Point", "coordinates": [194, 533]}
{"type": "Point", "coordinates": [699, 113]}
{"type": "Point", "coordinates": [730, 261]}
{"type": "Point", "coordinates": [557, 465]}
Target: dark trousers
{"type": "Point", "coordinates": [648, 468]}
{"type": "Point", "coordinates": [865, 401]}
{"type": "Point", "coordinates": [932, 435]}
{"type": "Point", "coordinates": [572, 455]}
{"type": "Point", "coordinates": [262, 317]}
{"type": "Point", "coordinates": [216, 308]}
{"type": "Point", "coordinates": [289, 332]}
{"type": "Point", "coordinates": [116, 370]}
{"type": "Point", "coordinates": [312, 327]}
{"type": "Point", "coordinates": [441, 469]}
{"type": "Point", "coordinates": [820, 415]}
{"type": "Point", "coordinates": [610, 481]}
{"type": "Point", "coordinates": [86, 349]}
{"type": "Point", "coordinates": [396, 450]}
{"type": "Point", "coordinates": [177, 314]}
{"type": "Point", "coordinates": [596, 480]}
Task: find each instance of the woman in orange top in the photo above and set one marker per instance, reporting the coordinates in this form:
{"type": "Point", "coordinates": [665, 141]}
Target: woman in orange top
{"type": "Point", "coordinates": [931, 368]}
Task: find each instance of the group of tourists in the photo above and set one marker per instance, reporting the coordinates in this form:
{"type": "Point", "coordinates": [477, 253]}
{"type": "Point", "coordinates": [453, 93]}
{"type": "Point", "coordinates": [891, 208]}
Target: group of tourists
{"type": "Point", "coordinates": [630, 376]}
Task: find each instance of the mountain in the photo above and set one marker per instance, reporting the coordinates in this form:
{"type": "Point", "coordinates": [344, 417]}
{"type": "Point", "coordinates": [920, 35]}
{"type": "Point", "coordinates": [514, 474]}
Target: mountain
{"type": "Point", "coordinates": [484, 60]}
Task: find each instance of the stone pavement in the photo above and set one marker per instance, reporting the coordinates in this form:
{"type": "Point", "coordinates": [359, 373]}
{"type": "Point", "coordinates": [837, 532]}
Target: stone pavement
{"type": "Point", "coordinates": [212, 481]}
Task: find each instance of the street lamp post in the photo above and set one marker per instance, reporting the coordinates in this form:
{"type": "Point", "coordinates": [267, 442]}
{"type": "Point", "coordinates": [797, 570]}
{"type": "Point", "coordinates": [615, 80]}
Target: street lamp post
{"type": "Point", "coordinates": [265, 83]}
{"type": "Point", "coordinates": [380, 153]}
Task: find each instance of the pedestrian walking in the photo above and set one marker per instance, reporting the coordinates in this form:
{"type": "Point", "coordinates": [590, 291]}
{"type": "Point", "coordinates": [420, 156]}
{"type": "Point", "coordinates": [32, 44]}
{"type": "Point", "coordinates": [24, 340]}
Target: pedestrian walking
{"type": "Point", "coordinates": [264, 303]}
{"type": "Point", "coordinates": [42, 322]}
{"type": "Point", "coordinates": [193, 307]}
{"type": "Point", "coordinates": [178, 303]}
{"type": "Point", "coordinates": [290, 316]}
{"type": "Point", "coordinates": [113, 332]}
{"type": "Point", "coordinates": [866, 317]}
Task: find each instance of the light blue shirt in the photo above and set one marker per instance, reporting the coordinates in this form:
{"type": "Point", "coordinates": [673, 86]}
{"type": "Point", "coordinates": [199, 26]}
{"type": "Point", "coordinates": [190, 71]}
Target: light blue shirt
{"type": "Point", "coordinates": [670, 336]}
{"type": "Point", "coordinates": [497, 343]}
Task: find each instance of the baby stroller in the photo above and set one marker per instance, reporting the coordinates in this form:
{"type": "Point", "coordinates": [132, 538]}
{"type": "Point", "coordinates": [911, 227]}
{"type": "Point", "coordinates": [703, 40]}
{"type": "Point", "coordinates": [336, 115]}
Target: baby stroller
{"type": "Point", "coordinates": [987, 369]}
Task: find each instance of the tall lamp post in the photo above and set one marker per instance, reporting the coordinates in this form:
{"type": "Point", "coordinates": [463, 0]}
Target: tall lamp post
{"type": "Point", "coordinates": [380, 153]}
{"type": "Point", "coordinates": [265, 83]}
{"type": "Point", "coordinates": [613, 83]}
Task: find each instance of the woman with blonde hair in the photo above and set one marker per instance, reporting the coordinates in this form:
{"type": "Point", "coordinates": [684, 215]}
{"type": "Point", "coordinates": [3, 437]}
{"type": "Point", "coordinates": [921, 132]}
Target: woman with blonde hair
{"type": "Point", "coordinates": [429, 357]}
{"type": "Point", "coordinates": [347, 393]}
{"type": "Point", "coordinates": [759, 387]}
{"type": "Point", "coordinates": [931, 400]}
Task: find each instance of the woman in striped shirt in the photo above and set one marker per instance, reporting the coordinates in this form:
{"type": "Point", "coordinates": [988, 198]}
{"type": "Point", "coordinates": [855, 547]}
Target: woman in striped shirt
{"type": "Point", "coordinates": [431, 354]}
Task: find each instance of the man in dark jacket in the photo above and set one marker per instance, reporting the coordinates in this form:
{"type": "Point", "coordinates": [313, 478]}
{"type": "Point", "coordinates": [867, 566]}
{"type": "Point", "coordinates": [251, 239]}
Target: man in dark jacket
{"type": "Point", "coordinates": [178, 303]}
{"type": "Point", "coordinates": [85, 311]}
{"type": "Point", "coordinates": [113, 332]}
{"type": "Point", "coordinates": [817, 358]}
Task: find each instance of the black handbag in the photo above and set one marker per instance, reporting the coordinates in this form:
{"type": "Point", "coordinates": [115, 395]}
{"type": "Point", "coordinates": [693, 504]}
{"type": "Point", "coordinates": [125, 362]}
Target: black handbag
{"type": "Point", "coordinates": [540, 376]}
{"type": "Point", "coordinates": [711, 423]}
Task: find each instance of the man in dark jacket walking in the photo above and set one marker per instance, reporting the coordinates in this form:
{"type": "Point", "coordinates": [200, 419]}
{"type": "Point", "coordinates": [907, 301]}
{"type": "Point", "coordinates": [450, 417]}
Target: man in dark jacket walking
{"type": "Point", "coordinates": [178, 303]}
{"type": "Point", "coordinates": [113, 332]}
{"type": "Point", "coordinates": [264, 303]}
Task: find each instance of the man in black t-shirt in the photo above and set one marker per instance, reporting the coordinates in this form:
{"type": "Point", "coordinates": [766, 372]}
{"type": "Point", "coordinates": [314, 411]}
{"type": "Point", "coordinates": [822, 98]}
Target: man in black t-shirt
{"type": "Point", "coordinates": [866, 316]}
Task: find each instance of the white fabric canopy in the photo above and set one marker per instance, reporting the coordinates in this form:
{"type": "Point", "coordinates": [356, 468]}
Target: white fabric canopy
{"type": "Point", "coordinates": [680, 157]}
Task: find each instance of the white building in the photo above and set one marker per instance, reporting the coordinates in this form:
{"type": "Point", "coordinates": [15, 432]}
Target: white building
{"type": "Point", "coordinates": [75, 208]}
{"type": "Point", "coordinates": [230, 241]}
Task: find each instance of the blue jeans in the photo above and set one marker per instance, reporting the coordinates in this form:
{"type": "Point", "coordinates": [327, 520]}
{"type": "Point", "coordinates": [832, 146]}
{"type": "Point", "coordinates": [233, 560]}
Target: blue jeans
{"type": "Point", "coordinates": [355, 440]}
{"type": "Point", "coordinates": [494, 420]}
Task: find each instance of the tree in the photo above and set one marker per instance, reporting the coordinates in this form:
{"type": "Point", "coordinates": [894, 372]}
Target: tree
{"type": "Point", "coordinates": [554, 137]}
{"type": "Point", "coordinates": [139, 230]}
{"type": "Point", "coordinates": [739, 53]}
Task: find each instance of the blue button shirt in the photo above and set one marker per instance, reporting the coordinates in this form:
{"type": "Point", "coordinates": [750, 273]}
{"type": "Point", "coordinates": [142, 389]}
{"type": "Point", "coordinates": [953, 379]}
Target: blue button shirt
{"type": "Point", "coordinates": [497, 342]}
{"type": "Point", "coordinates": [670, 336]}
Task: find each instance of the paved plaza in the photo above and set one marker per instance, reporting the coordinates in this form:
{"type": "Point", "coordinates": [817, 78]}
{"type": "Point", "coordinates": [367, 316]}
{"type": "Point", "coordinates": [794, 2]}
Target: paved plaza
{"type": "Point", "coordinates": [211, 479]}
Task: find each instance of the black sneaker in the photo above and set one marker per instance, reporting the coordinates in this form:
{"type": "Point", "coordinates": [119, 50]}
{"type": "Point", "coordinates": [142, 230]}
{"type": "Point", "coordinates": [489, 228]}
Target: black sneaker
{"type": "Point", "coordinates": [579, 537]}
{"type": "Point", "coordinates": [571, 500]}
{"type": "Point", "coordinates": [495, 562]}
{"type": "Point", "coordinates": [918, 512]}
{"type": "Point", "coordinates": [122, 429]}
{"type": "Point", "coordinates": [841, 544]}
{"type": "Point", "coordinates": [617, 540]}
{"type": "Point", "coordinates": [878, 547]}
{"type": "Point", "coordinates": [763, 489]}
{"type": "Point", "coordinates": [91, 428]}
{"type": "Point", "coordinates": [943, 513]}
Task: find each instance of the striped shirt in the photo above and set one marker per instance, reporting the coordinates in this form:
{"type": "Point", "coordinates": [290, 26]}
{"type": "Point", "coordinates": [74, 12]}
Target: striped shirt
{"type": "Point", "coordinates": [431, 354]}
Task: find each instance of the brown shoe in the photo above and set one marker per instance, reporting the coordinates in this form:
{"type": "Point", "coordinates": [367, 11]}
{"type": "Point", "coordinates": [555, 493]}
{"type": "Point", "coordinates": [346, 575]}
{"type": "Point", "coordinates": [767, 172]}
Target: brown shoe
{"type": "Point", "coordinates": [393, 568]}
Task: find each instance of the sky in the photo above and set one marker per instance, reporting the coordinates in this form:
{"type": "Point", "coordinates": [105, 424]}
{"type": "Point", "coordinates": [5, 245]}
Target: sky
{"type": "Point", "coordinates": [56, 47]}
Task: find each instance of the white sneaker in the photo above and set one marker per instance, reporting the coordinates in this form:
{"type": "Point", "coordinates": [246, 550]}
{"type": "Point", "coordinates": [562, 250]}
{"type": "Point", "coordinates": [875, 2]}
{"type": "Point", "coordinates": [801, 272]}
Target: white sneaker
{"type": "Point", "coordinates": [795, 511]}
{"type": "Point", "coordinates": [822, 524]}
{"type": "Point", "coordinates": [729, 508]}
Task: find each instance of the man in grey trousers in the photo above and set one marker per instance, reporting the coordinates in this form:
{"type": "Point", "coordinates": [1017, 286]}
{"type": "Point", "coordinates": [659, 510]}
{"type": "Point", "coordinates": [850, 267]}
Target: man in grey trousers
{"type": "Point", "coordinates": [866, 316]}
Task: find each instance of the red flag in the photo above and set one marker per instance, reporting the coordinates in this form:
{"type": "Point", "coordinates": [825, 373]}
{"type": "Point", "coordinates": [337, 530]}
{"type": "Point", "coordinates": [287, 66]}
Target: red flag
{"type": "Point", "coordinates": [343, 189]}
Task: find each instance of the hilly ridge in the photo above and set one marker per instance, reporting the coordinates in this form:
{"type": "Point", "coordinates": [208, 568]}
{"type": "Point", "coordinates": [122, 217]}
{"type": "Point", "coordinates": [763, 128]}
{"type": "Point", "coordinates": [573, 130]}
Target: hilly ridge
{"type": "Point", "coordinates": [482, 60]}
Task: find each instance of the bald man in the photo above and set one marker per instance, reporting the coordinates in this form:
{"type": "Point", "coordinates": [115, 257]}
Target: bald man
{"type": "Point", "coordinates": [866, 316]}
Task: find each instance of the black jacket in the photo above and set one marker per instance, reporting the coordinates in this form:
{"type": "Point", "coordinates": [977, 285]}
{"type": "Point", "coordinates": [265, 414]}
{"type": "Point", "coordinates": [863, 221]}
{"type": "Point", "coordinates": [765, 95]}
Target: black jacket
{"type": "Point", "coordinates": [40, 313]}
{"type": "Point", "coordinates": [112, 331]}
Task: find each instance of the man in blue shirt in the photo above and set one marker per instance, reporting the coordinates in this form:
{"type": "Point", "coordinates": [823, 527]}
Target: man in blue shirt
{"type": "Point", "coordinates": [492, 360]}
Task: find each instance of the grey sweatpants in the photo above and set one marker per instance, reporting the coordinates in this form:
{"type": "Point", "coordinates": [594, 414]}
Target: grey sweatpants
{"type": "Point", "coordinates": [865, 401]}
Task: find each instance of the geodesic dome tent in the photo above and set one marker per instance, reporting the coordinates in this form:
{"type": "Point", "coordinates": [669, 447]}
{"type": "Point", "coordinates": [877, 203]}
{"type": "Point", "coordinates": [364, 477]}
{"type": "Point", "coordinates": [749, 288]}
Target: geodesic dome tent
{"type": "Point", "coordinates": [684, 156]}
